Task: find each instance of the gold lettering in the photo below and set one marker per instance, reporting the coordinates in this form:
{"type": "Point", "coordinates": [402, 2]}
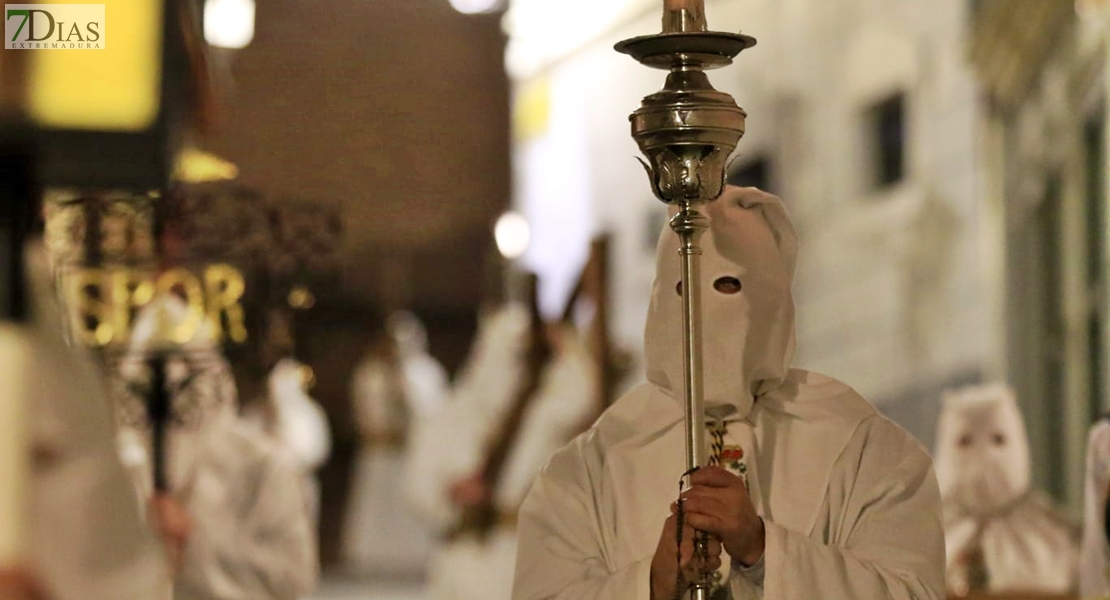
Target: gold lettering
{"type": "Point", "coordinates": [130, 289]}
{"type": "Point", "coordinates": [224, 287]}
{"type": "Point", "coordinates": [90, 309]}
{"type": "Point", "coordinates": [180, 280]}
{"type": "Point", "coordinates": [101, 302]}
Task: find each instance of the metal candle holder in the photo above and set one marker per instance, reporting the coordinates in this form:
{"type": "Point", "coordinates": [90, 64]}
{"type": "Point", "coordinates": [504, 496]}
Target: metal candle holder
{"type": "Point", "coordinates": [687, 131]}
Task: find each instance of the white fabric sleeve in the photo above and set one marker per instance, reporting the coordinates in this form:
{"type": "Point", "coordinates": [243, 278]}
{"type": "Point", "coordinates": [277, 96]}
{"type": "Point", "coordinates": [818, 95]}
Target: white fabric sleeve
{"type": "Point", "coordinates": [754, 573]}
{"type": "Point", "coordinates": [1094, 560]}
{"type": "Point", "coordinates": [558, 552]}
{"type": "Point", "coordinates": [888, 543]}
{"type": "Point", "coordinates": [273, 553]}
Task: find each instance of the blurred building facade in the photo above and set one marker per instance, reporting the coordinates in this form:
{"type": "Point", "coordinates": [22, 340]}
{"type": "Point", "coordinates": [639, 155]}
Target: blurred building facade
{"type": "Point", "coordinates": [884, 128]}
{"type": "Point", "coordinates": [1042, 68]}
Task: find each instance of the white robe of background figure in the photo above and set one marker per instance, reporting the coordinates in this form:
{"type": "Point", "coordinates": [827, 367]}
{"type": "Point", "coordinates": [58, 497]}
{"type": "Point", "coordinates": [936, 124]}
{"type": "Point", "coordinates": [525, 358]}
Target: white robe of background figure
{"type": "Point", "coordinates": [251, 535]}
{"type": "Point", "coordinates": [1000, 533]}
{"type": "Point", "coordinates": [815, 496]}
{"type": "Point", "coordinates": [1094, 559]}
{"type": "Point", "coordinates": [299, 424]}
{"type": "Point", "coordinates": [395, 383]}
{"type": "Point", "coordinates": [448, 451]}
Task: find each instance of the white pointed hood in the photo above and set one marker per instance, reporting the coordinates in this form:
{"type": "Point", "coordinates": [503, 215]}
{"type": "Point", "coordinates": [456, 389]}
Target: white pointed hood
{"type": "Point", "coordinates": [408, 332]}
{"type": "Point", "coordinates": [982, 455]}
{"type": "Point", "coordinates": [750, 238]}
{"type": "Point", "coordinates": [302, 424]}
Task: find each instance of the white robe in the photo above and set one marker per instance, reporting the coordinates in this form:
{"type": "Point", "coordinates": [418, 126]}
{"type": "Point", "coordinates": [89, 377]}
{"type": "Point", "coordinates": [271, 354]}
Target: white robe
{"type": "Point", "coordinates": [453, 446]}
{"type": "Point", "coordinates": [251, 537]}
{"type": "Point", "coordinates": [301, 426]}
{"type": "Point", "coordinates": [849, 500]}
{"type": "Point", "coordinates": [982, 462]}
{"type": "Point", "coordinates": [1027, 548]}
{"type": "Point", "coordinates": [382, 536]}
{"type": "Point", "coordinates": [1094, 562]}
{"type": "Point", "coordinates": [87, 540]}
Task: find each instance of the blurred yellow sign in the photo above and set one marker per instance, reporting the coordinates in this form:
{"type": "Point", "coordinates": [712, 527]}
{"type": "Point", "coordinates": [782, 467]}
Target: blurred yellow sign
{"type": "Point", "coordinates": [532, 109]}
{"type": "Point", "coordinates": [198, 166]}
{"type": "Point", "coordinates": [114, 88]}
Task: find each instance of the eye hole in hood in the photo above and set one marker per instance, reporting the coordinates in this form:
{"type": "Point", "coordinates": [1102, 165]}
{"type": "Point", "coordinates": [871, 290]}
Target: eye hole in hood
{"type": "Point", "coordinates": [727, 285]}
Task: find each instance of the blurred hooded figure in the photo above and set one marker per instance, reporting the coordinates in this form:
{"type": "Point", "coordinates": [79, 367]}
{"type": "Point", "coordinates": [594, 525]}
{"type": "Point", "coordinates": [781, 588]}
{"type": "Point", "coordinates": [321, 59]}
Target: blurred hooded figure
{"type": "Point", "coordinates": [396, 383]}
{"type": "Point", "coordinates": [251, 534]}
{"type": "Point", "coordinates": [87, 539]}
{"type": "Point", "coordinates": [1094, 559]}
{"type": "Point", "coordinates": [296, 422]}
{"type": "Point", "coordinates": [811, 494]}
{"type": "Point", "coordinates": [525, 390]}
{"type": "Point", "coordinates": [1001, 535]}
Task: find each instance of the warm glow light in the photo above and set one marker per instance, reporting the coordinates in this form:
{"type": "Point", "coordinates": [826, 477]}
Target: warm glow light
{"type": "Point", "coordinates": [512, 235]}
{"type": "Point", "coordinates": [473, 7]}
{"type": "Point", "coordinates": [196, 166]}
{"type": "Point", "coordinates": [543, 31]}
{"type": "Point", "coordinates": [229, 23]}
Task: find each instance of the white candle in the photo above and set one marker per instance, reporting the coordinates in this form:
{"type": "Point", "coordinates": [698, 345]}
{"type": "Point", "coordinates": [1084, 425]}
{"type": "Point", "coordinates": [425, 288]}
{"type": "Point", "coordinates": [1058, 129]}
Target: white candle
{"type": "Point", "coordinates": [683, 16]}
{"type": "Point", "coordinates": [14, 451]}
{"type": "Point", "coordinates": [681, 4]}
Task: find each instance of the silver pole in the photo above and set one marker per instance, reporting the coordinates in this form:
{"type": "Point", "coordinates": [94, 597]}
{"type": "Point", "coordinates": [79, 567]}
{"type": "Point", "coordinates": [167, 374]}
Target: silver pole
{"type": "Point", "coordinates": [689, 224]}
{"type": "Point", "coordinates": [687, 131]}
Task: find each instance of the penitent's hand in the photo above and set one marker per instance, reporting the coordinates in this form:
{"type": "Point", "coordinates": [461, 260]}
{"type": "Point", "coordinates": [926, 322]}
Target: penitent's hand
{"type": "Point", "coordinates": [16, 583]}
{"type": "Point", "coordinates": [718, 502]}
{"type": "Point", "coordinates": [665, 563]}
{"type": "Point", "coordinates": [470, 492]}
{"type": "Point", "coordinates": [172, 523]}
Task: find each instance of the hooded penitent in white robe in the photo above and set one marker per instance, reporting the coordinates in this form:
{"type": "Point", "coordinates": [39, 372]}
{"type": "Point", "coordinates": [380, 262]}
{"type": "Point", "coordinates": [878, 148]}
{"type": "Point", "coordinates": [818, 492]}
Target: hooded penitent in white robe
{"type": "Point", "coordinates": [87, 540]}
{"type": "Point", "coordinates": [454, 445]}
{"type": "Point", "coordinates": [998, 530]}
{"type": "Point", "coordinates": [251, 536]}
{"type": "Point", "coordinates": [1094, 559]}
{"type": "Point", "coordinates": [299, 424]}
{"type": "Point", "coordinates": [382, 536]}
{"type": "Point", "coordinates": [849, 500]}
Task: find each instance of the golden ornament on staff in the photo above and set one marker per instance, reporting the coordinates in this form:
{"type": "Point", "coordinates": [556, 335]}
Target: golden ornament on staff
{"type": "Point", "coordinates": [687, 131]}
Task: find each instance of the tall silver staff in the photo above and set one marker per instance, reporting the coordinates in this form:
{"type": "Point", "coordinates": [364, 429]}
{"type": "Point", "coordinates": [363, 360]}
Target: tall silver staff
{"type": "Point", "coordinates": [687, 131]}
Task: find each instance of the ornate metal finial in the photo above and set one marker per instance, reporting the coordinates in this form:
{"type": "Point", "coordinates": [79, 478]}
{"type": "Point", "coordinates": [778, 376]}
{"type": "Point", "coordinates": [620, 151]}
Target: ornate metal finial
{"type": "Point", "coordinates": [688, 129]}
